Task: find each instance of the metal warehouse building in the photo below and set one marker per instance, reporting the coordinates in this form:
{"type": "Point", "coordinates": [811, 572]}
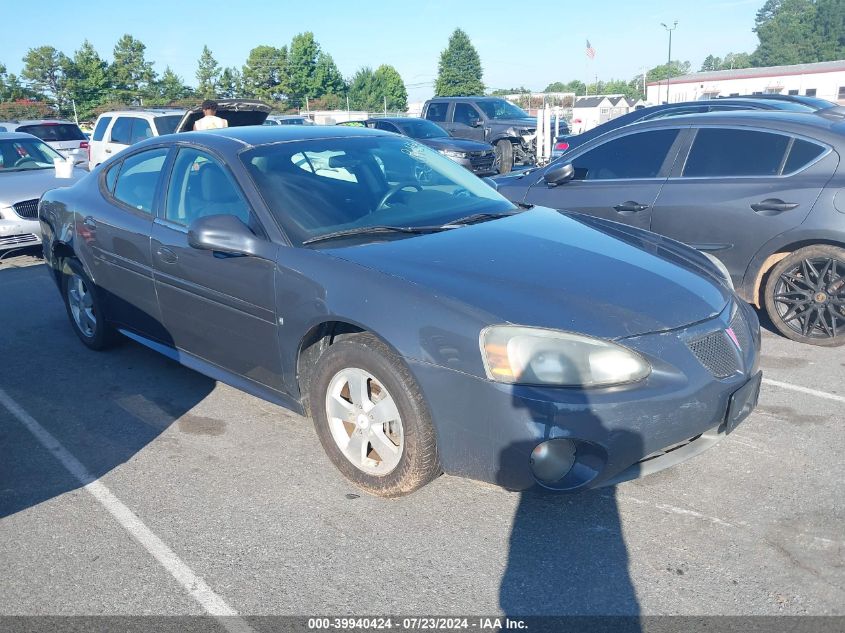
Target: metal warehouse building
{"type": "Point", "coordinates": [825, 80]}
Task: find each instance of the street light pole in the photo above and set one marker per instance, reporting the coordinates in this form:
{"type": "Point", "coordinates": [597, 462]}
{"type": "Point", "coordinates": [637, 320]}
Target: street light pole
{"type": "Point", "coordinates": [669, 60]}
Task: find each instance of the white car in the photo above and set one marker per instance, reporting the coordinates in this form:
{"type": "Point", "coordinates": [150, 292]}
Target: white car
{"type": "Point", "coordinates": [63, 136]}
{"type": "Point", "coordinates": [26, 171]}
{"type": "Point", "coordinates": [118, 130]}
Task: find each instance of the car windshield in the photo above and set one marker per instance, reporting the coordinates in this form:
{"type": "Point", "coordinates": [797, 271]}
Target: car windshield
{"type": "Point", "coordinates": [501, 109]}
{"type": "Point", "coordinates": [337, 184]}
{"type": "Point", "coordinates": [422, 128]}
{"type": "Point", "coordinates": [167, 124]}
{"type": "Point", "coordinates": [54, 131]}
{"type": "Point", "coordinates": [19, 154]}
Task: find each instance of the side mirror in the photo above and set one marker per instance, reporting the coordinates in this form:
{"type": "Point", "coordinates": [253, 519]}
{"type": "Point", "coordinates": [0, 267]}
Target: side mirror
{"type": "Point", "coordinates": [490, 182]}
{"type": "Point", "coordinates": [226, 234]}
{"type": "Point", "coordinates": [559, 175]}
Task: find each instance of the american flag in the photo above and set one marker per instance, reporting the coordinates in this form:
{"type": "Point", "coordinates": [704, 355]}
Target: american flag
{"type": "Point", "coordinates": [591, 52]}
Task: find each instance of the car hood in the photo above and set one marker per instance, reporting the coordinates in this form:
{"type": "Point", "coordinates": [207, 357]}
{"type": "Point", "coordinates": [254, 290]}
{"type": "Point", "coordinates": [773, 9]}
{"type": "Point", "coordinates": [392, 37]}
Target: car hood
{"type": "Point", "coordinates": [546, 269]}
{"type": "Point", "coordinates": [457, 144]}
{"type": "Point", "coordinates": [237, 112]}
{"type": "Point", "coordinates": [518, 123]}
{"type": "Point", "coordinates": [28, 185]}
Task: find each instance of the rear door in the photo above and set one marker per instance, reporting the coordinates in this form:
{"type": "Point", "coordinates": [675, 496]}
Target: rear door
{"type": "Point", "coordinates": [618, 179]}
{"type": "Point", "coordinates": [219, 308]}
{"type": "Point", "coordinates": [119, 136]}
{"type": "Point", "coordinates": [738, 188]}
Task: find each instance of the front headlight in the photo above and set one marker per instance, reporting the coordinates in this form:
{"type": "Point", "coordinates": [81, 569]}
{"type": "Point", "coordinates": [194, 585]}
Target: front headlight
{"type": "Point", "coordinates": [537, 356]}
{"type": "Point", "coordinates": [452, 153]}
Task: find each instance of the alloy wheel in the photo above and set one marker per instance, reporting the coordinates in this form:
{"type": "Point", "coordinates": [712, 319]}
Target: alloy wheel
{"type": "Point", "coordinates": [810, 297]}
{"type": "Point", "coordinates": [364, 421]}
{"type": "Point", "coordinates": [81, 303]}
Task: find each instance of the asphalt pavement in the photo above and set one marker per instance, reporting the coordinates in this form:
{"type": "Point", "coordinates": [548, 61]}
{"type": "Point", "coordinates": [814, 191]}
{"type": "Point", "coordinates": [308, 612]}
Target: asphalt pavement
{"type": "Point", "coordinates": [234, 495]}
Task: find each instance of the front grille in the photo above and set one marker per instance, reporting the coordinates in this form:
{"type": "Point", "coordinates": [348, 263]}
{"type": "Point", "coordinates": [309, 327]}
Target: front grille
{"type": "Point", "coordinates": [482, 161]}
{"type": "Point", "coordinates": [717, 352]}
{"type": "Point", "coordinates": [27, 209]}
{"type": "Point", "coordinates": [14, 240]}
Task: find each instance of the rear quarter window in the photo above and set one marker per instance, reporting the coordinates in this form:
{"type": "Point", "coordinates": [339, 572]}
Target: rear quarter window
{"type": "Point", "coordinates": [801, 154]}
{"type": "Point", "coordinates": [100, 129]}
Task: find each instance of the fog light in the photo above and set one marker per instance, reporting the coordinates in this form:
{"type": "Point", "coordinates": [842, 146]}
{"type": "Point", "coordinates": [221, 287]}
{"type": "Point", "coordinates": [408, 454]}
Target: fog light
{"type": "Point", "coordinates": [552, 460]}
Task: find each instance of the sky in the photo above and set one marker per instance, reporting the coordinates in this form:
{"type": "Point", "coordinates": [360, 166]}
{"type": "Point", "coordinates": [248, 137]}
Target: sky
{"type": "Point", "coordinates": [527, 44]}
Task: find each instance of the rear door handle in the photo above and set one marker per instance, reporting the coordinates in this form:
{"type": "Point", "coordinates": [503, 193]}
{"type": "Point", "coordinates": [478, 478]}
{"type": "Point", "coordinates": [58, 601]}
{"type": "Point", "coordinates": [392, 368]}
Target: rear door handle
{"type": "Point", "coordinates": [772, 206]}
{"type": "Point", "coordinates": [166, 255]}
{"type": "Point", "coordinates": [108, 151]}
{"type": "Point", "coordinates": [630, 207]}
{"type": "Point", "coordinates": [90, 222]}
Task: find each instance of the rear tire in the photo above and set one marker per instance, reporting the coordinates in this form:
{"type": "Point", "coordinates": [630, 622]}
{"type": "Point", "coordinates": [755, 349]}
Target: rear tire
{"type": "Point", "coordinates": [504, 156]}
{"type": "Point", "coordinates": [805, 296]}
{"type": "Point", "coordinates": [84, 308]}
{"type": "Point", "coordinates": [371, 418]}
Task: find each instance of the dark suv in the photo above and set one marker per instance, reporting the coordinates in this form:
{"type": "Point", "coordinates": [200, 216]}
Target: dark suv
{"type": "Point", "coordinates": [764, 192]}
{"type": "Point", "coordinates": [490, 119]}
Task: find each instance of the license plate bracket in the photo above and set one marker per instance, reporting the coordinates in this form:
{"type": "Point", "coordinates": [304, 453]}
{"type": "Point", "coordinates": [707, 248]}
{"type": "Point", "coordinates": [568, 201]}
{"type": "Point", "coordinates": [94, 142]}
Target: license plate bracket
{"type": "Point", "coordinates": [742, 402]}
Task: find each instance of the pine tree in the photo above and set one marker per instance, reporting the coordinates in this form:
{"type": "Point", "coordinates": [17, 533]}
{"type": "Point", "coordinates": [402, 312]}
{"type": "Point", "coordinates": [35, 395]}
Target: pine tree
{"type": "Point", "coordinates": [459, 71]}
{"type": "Point", "coordinates": [208, 73]}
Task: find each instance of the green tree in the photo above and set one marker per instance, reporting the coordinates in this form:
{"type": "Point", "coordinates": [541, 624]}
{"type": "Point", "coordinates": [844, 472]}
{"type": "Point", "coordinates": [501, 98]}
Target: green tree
{"type": "Point", "coordinates": [390, 88]}
{"type": "Point", "coordinates": [498, 92]}
{"type": "Point", "coordinates": [459, 71]}
{"type": "Point", "coordinates": [830, 29]}
{"type": "Point", "coordinates": [785, 31]}
{"type": "Point", "coordinates": [169, 88]}
{"type": "Point", "coordinates": [88, 80]}
{"type": "Point", "coordinates": [363, 91]}
{"type": "Point", "coordinates": [132, 75]}
{"type": "Point", "coordinates": [736, 60]}
{"type": "Point", "coordinates": [576, 85]}
{"type": "Point", "coordinates": [672, 69]}
{"type": "Point", "coordinates": [229, 84]}
{"type": "Point", "coordinates": [711, 62]}
{"type": "Point", "coordinates": [327, 77]}
{"type": "Point", "coordinates": [11, 88]}
{"type": "Point", "coordinates": [208, 73]}
{"type": "Point", "coordinates": [46, 68]}
{"type": "Point", "coordinates": [301, 68]}
{"type": "Point", "coordinates": [264, 73]}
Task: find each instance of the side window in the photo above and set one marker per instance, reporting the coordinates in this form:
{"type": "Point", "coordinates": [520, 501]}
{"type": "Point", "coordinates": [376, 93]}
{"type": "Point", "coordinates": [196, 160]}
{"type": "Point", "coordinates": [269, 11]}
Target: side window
{"type": "Point", "coordinates": [140, 130]}
{"type": "Point", "coordinates": [801, 154]}
{"type": "Point", "coordinates": [436, 111]}
{"type": "Point", "coordinates": [137, 181]}
{"type": "Point", "coordinates": [466, 114]}
{"type": "Point", "coordinates": [639, 155]}
{"type": "Point", "coordinates": [199, 187]}
{"type": "Point", "coordinates": [121, 131]}
{"type": "Point", "coordinates": [386, 126]}
{"type": "Point", "coordinates": [100, 130]}
{"type": "Point", "coordinates": [730, 152]}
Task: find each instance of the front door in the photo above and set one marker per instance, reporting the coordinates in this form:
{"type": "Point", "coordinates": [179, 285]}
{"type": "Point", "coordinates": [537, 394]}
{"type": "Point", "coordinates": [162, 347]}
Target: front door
{"type": "Point", "coordinates": [467, 122]}
{"type": "Point", "coordinates": [617, 180]}
{"type": "Point", "coordinates": [739, 188]}
{"type": "Point", "coordinates": [219, 308]}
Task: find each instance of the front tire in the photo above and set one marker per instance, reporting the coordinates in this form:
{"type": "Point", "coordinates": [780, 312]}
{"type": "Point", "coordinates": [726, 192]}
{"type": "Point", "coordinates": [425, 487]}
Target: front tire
{"type": "Point", "coordinates": [805, 296]}
{"type": "Point", "coordinates": [371, 418]}
{"type": "Point", "coordinates": [504, 156]}
{"type": "Point", "coordinates": [84, 308]}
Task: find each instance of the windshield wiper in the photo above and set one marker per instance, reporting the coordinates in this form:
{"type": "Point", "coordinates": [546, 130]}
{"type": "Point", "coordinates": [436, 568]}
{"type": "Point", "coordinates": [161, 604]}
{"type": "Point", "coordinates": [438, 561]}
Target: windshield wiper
{"type": "Point", "coordinates": [375, 230]}
{"type": "Point", "coordinates": [478, 217]}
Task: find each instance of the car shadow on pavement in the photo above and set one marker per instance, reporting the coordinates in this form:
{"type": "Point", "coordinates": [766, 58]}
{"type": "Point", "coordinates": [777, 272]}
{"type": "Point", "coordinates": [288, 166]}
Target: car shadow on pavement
{"type": "Point", "coordinates": [567, 553]}
{"type": "Point", "coordinates": [102, 407]}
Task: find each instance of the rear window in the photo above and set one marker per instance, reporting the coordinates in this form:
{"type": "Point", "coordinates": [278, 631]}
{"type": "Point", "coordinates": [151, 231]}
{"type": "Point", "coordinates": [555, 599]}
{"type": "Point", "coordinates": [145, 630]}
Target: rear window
{"type": "Point", "coordinates": [167, 124]}
{"type": "Point", "coordinates": [731, 152]}
{"type": "Point", "coordinates": [54, 132]}
{"type": "Point", "coordinates": [436, 111]}
{"type": "Point", "coordinates": [802, 154]}
{"type": "Point", "coordinates": [100, 130]}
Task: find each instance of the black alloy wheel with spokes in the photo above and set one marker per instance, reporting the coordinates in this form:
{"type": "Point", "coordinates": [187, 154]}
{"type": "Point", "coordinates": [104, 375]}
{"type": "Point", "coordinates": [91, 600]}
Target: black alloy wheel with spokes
{"type": "Point", "coordinates": [805, 296]}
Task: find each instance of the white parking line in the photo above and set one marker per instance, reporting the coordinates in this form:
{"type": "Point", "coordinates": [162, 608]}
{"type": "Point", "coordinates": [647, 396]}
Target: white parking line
{"type": "Point", "coordinates": [213, 604]}
{"type": "Point", "coordinates": [812, 392]}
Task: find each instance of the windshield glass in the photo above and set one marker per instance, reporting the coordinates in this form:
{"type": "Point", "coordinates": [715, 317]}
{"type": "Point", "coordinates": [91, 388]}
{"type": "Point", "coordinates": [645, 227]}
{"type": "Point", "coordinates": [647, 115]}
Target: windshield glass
{"type": "Point", "coordinates": [54, 131]}
{"type": "Point", "coordinates": [326, 185]}
{"type": "Point", "coordinates": [20, 154]}
{"type": "Point", "coordinates": [421, 128]}
{"type": "Point", "coordinates": [167, 124]}
{"type": "Point", "coordinates": [501, 109]}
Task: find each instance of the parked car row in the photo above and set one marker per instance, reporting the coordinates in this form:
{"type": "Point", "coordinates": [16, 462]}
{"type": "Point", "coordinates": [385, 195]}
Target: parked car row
{"type": "Point", "coordinates": [63, 136]}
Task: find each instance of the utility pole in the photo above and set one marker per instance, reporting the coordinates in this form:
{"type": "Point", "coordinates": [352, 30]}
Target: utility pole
{"type": "Point", "coordinates": [385, 105]}
{"type": "Point", "coordinates": [669, 60]}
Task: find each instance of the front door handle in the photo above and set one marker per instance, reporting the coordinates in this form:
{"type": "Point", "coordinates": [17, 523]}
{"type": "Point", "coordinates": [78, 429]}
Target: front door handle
{"type": "Point", "coordinates": [773, 206]}
{"type": "Point", "coordinates": [166, 255]}
{"type": "Point", "coordinates": [630, 207]}
{"type": "Point", "coordinates": [108, 150]}
{"type": "Point", "coordinates": [90, 222]}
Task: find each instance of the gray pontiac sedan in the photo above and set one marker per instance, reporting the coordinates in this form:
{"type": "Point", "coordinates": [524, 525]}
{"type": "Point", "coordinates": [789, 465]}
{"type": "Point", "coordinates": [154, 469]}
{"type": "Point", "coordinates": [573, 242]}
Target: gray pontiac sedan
{"type": "Point", "coordinates": [424, 322]}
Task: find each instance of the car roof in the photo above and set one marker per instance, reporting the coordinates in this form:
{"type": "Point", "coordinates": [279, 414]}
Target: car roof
{"type": "Point", "coordinates": [38, 121]}
{"type": "Point", "coordinates": [481, 98]}
{"type": "Point", "coordinates": [150, 112]}
{"type": "Point", "coordinates": [5, 136]}
{"type": "Point", "coordinates": [776, 119]}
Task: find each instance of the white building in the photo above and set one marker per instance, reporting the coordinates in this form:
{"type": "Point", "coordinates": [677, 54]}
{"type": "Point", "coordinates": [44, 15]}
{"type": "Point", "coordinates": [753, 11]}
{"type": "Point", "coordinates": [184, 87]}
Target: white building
{"type": "Point", "coordinates": [588, 112]}
{"type": "Point", "coordinates": [825, 80]}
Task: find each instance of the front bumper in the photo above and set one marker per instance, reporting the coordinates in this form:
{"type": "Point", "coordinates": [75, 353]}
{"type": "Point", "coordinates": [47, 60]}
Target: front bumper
{"type": "Point", "coordinates": [488, 430]}
{"type": "Point", "coordinates": [16, 232]}
{"type": "Point", "coordinates": [479, 166]}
